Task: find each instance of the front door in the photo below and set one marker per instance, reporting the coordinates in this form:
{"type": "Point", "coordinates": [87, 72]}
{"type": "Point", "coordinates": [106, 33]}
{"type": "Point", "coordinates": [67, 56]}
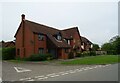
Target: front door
{"type": "Point", "coordinates": [53, 52]}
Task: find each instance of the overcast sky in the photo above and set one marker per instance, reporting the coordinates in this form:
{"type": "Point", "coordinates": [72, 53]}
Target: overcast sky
{"type": "Point", "coordinates": [97, 21]}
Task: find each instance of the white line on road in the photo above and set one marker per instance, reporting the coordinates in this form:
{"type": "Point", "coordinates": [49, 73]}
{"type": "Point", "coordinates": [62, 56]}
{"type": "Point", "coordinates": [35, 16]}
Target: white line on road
{"type": "Point", "coordinates": [39, 76]}
{"type": "Point", "coordinates": [30, 80]}
{"type": "Point", "coordinates": [42, 77]}
{"type": "Point", "coordinates": [19, 69]}
{"type": "Point", "coordinates": [23, 79]}
{"type": "Point", "coordinates": [52, 75]}
{"type": "Point", "coordinates": [64, 73]}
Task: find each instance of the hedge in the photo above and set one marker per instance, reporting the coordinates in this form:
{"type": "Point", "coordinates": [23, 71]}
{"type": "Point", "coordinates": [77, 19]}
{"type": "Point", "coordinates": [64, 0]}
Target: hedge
{"type": "Point", "coordinates": [86, 53]}
{"type": "Point", "coordinates": [8, 53]}
{"type": "Point", "coordinates": [71, 55]}
{"type": "Point", "coordinates": [39, 57]}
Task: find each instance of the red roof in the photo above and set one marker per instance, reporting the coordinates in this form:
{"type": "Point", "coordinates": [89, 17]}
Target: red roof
{"type": "Point", "coordinates": [50, 31]}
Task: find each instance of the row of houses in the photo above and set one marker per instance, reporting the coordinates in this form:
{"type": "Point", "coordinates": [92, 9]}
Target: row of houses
{"type": "Point", "coordinates": [34, 38]}
{"type": "Point", "coordinates": [4, 44]}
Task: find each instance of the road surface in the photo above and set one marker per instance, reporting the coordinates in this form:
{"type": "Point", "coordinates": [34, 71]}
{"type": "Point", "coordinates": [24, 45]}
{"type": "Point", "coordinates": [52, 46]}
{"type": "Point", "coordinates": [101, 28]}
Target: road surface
{"type": "Point", "coordinates": [52, 72]}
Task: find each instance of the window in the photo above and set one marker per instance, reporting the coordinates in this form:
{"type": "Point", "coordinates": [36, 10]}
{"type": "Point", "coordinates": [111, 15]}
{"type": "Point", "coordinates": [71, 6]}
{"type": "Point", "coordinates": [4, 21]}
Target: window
{"type": "Point", "coordinates": [59, 37]}
{"type": "Point", "coordinates": [68, 41]}
{"type": "Point", "coordinates": [41, 37]}
{"type": "Point", "coordinates": [18, 51]}
{"type": "Point", "coordinates": [66, 50]}
{"type": "Point", "coordinates": [41, 50]}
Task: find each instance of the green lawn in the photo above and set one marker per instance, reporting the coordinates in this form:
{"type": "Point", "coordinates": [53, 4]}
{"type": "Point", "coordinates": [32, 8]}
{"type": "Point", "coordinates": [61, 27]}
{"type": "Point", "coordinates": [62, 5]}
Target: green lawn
{"type": "Point", "coordinates": [104, 59]}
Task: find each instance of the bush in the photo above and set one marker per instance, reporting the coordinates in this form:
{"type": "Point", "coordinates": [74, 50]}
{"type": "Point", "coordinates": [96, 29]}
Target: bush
{"type": "Point", "coordinates": [8, 53]}
{"type": "Point", "coordinates": [86, 53]}
{"type": "Point", "coordinates": [39, 57]}
{"type": "Point", "coordinates": [111, 52]}
{"type": "Point", "coordinates": [49, 56]}
{"type": "Point", "coordinates": [92, 53]}
{"type": "Point", "coordinates": [71, 55]}
{"type": "Point", "coordinates": [78, 54]}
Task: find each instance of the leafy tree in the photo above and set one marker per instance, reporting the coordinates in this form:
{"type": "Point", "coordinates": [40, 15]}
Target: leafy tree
{"type": "Point", "coordinates": [116, 44]}
{"type": "Point", "coordinates": [113, 46]}
{"type": "Point", "coordinates": [95, 47]}
{"type": "Point", "coordinates": [107, 47]}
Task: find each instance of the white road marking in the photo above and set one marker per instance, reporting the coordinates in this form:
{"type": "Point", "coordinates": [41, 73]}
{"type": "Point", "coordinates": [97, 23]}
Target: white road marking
{"type": "Point", "coordinates": [90, 68]}
{"type": "Point", "coordinates": [42, 77]}
{"type": "Point", "coordinates": [19, 69]}
{"type": "Point", "coordinates": [95, 66]}
{"type": "Point", "coordinates": [85, 69]}
{"type": "Point", "coordinates": [80, 70]}
{"type": "Point", "coordinates": [60, 72]}
{"type": "Point", "coordinates": [64, 73]}
{"type": "Point", "coordinates": [30, 80]}
{"type": "Point", "coordinates": [39, 76]}
{"type": "Point", "coordinates": [52, 75]}
{"type": "Point", "coordinates": [99, 65]}
{"type": "Point", "coordinates": [23, 79]}
{"type": "Point", "coordinates": [76, 70]}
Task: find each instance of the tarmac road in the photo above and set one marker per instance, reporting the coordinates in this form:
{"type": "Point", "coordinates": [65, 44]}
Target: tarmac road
{"type": "Point", "coordinates": [54, 72]}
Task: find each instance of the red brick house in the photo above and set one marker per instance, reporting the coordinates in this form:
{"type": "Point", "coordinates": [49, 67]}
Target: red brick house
{"type": "Point", "coordinates": [86, 44]}
{"type": "Point", "coordinates": [7, 44]}
{"type": "Point", "coordinates": [34, 38]}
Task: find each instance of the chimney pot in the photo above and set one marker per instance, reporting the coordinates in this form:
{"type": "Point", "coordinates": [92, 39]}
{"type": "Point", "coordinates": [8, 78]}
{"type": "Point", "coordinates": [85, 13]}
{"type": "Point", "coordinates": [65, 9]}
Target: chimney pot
{"type": "Point", "coordinates": [23, 17]}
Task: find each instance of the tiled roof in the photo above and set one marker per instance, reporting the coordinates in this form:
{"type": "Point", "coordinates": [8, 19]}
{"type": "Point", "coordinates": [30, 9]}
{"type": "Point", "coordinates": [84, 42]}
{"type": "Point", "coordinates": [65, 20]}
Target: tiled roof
{"type": "Point", "coordinates": [58, 43]}
{"type": "Point", "coordinates": [7, 44]}
{"type": "Point", "coordinates": [85, 40]}
{"type": "Point", "coordinates": [49, 31]}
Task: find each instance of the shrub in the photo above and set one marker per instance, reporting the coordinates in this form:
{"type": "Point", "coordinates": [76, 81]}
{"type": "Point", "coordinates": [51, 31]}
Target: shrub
{"type": "Point", "coordinates": [39, 57]}
{"type": "Point", "coordinates": [49, 56]}
{"type": "Point", "coordinates": [36, 57]}
{"type": "Point", "coordinates": [111, 52]}
{"type": "Point", "coordinates": [8, 53]}
{"type": "Point", "coordinates": [71, 55]}
{"type": "Point", "coordinates": [85, 53]}
{"type": "Point", "coordinates": [78, 54]}
{"type": "Point", "coordinates": [92, 53]}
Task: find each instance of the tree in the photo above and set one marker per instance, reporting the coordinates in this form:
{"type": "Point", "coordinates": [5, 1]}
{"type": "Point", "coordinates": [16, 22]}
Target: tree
{"type": "Point", "coordinates": [116, 44]}
{"type": "Point", "coordinates": [107, 47]}
{"type": "Point", "coordinates": [95, 47]}
{"type": "Point", "coordinates": [113, 47]}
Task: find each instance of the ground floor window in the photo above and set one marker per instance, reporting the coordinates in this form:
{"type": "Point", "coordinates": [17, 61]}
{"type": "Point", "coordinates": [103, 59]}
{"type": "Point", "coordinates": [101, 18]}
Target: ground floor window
{"type": "Point", "coordinates": [66, 50]}
{"type": "Point", "coordinates": [18, 51]}
{"type": "Point", "coordinates": [41, 50]}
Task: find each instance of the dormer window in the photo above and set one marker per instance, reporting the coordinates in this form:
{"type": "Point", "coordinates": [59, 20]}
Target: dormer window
{"type": "Point", "coordinates": [40, 37]}
{"type": "Point", "coordinates": [59, 37]}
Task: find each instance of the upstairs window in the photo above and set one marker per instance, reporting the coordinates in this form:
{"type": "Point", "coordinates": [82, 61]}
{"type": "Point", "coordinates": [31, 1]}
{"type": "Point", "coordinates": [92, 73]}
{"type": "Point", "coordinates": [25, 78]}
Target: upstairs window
{"type": "Point", "coordinates": [41, 37]}
{"type": "Point", "coordinates": [41, 50]}
{"type": "Point", "coordinates": [59, 37]}
{"type": "Point", "coordinates": [66, 50]}
{"type": "Point", "coordinates": [68, 42]}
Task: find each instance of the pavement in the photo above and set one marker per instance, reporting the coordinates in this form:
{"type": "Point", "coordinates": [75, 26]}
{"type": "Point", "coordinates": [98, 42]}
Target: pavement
{"type": "Point", "coordinates": [33, 71]}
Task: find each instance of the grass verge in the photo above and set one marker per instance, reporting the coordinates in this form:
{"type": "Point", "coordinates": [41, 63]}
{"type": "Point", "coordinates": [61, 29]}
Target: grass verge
{"type": "Point", "coordinates": [103, 59]}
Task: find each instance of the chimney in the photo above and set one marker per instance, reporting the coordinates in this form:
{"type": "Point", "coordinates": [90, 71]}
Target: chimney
{"type": "Point", "coordinates": [23, 17]}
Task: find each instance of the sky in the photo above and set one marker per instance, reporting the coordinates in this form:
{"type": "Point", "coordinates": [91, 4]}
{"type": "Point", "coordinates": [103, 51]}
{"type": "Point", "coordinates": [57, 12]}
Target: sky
{"type": "Point", "coordinates": [97, 21]}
